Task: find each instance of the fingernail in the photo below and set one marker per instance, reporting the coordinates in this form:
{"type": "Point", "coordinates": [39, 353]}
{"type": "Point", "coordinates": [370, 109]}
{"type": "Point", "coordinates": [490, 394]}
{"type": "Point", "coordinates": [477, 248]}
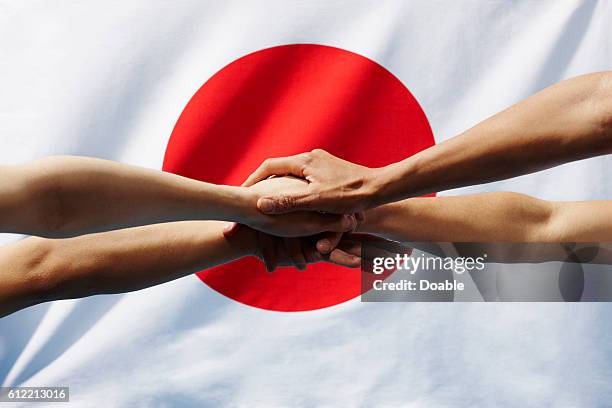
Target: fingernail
{"type": "Point", "coordinates": [324, 245]}
{"type": "Point", "coordinates": [266, 205]}
{"type": "Point", "coordinates": [228, 226]}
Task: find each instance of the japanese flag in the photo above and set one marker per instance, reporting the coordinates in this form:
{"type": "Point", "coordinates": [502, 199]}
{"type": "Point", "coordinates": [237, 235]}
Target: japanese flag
{"type": "Point", "coordinates": [208, 89]}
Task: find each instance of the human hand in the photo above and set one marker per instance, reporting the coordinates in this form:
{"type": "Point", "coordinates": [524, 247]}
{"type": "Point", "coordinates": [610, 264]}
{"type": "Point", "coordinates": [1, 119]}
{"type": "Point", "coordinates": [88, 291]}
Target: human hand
{"type": "Point", "coordinates": [295, 224]}
{"type": "Point", "coordinates": [300, 252]}
{"type": "Point", "coordinates": [334, 185]}
{"type": "Point", "coordinates": [276, 251]}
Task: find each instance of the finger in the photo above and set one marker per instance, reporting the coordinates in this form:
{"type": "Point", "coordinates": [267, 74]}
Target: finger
{"type": "Point", "coordinates": [376, 247]}
{"type": "Point", "coordinates": [268, 251]}
{"type": "Point", "coordinates": [230, 229]}
{"type": "Point", "coordinates": [340, 257]}
{"type": "Point", "coordinates": [350, 247]}
{"type": "Point", "coordinates": [293, 246]}
{"type": "Point", "coordinates": [277, 166]}
{"type": "Point", "coordinates": [360, 217]}
{"type": "Point", "coordinates": [282, 204]}
{"type": "Point", "coordinates": [328, 242]}
{"type": "Point", "coordinates": [310, 252]}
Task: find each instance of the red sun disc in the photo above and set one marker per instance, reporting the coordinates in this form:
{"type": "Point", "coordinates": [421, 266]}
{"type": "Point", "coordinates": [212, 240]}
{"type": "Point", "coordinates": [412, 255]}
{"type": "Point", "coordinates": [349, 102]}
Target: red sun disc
{"type": "Point", "coordinates": [282, 101]}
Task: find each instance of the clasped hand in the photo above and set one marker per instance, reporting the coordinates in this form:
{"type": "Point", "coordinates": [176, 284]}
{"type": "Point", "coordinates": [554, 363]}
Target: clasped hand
{"type": "Point", "coordinates": [319, 199]}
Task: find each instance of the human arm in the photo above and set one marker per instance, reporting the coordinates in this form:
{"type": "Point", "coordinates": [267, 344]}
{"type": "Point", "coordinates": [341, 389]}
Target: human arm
{"type": "Point", "coordinates": [568, 121]}
{"type": "Point", "coordinates": [37, 270]}
{"type": "Point", "coordinates": [491, 217]}
{"type": "Point", "coordinates": [67, 196]}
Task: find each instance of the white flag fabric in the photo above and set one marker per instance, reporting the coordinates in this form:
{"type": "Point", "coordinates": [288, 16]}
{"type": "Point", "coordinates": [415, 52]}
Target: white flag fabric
{"type": "Point", "coordinates": [109, 79]}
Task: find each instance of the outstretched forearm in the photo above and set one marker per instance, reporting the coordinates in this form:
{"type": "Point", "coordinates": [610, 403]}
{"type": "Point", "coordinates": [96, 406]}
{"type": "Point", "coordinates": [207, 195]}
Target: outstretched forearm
{"type": "Point", "coordinates": [491, 217]}
{"type": "Point", "coordinates": [569, 121]}
{"type": "Point", "coordinates": [36, 270]}
{"type": "Point", "coordinates": [63, 196]}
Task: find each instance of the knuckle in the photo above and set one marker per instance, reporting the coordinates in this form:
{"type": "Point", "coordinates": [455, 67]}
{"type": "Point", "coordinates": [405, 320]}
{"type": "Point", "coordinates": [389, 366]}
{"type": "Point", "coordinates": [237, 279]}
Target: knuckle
{"type": "Point", "coordinates": [307, 158]}
{"type": "Point", "coordinates": [318, 152]}
{"type": "Point", "coordinates": [285, 203]}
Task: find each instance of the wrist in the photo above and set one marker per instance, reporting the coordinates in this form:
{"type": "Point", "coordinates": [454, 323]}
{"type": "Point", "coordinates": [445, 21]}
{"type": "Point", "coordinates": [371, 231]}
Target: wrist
{"type": "Point", "coordinates": [239, 204]}
{"type": "Point", "coordinates": [394, 182]}
{"type": "Point", "coordinates": [244, 207]}
{"type": "Point", "coordinates": [380, 182]}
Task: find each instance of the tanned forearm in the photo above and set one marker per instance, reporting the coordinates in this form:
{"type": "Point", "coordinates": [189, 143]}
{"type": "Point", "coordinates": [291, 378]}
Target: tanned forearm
{"type": "Point", "coordinates": [491, 217]}
{"type": "Point", "coordinates": [569, 121]}
{"type": "Point", "coordinates": [65, 196]}
{"type": "Point", "coordinates": [36, 270]}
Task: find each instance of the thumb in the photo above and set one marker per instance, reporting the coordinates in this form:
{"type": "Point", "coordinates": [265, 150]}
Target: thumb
{"type": "Point", "coordinates": [283, 204]}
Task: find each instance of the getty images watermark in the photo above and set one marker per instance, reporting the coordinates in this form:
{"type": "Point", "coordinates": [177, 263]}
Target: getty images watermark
{"type": "Point", "coordinates": [410, 264]}
{"type": "Point", "coordinates": [455, 272]}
